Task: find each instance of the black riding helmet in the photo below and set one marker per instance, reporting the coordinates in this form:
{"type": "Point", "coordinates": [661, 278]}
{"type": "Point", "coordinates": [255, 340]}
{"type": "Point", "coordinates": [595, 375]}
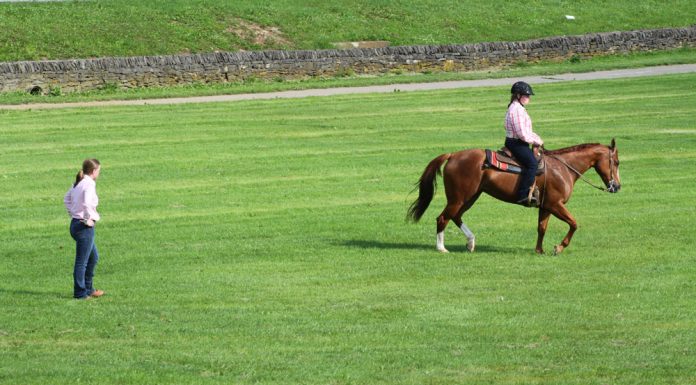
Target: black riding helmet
{"type": "Point", "coordinates": [521, 88]}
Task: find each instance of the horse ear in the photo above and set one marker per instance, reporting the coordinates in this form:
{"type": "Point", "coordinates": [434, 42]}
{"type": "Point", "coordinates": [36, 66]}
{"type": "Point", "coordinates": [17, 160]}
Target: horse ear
{"type": "Point", "coordinates": [613, 144]}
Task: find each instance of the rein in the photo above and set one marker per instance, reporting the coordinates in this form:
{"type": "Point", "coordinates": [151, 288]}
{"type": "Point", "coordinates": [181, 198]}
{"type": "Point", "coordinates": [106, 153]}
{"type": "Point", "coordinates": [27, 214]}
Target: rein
{"type": "Point", "coordinates": [611, 168]}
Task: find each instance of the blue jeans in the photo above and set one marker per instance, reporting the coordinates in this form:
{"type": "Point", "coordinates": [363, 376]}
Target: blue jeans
{"type": "Point", "coordinates": [525, 157]}
{"type": "Point", "coordinates": [86, 258]}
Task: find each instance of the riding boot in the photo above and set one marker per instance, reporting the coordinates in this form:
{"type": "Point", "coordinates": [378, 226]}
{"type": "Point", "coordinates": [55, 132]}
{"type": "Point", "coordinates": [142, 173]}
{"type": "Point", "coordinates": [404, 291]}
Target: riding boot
{"type": "Point", "coordinates": [532, 198]}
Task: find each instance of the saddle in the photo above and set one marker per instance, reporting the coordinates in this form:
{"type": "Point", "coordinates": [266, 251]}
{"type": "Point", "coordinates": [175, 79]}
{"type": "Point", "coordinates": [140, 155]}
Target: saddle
{"type": "Point", "coordinates": [503, 160]}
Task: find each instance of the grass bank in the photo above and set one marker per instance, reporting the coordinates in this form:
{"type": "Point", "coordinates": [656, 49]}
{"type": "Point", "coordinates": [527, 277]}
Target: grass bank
{"type": "Point", "coordinates": [83, 29]}
{"type": "Point", "coordinates": [264, 242]}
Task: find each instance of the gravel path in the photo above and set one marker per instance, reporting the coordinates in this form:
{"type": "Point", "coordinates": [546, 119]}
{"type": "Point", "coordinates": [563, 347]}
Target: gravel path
{"type": "Point", "coordinates": [625, 73]}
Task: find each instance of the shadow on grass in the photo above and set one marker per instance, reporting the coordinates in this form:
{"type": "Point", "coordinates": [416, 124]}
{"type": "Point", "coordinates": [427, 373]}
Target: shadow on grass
{"type": "Point", "coordinates": [371, 244]}
{"type": "Point", "coordinates": [36, 293]}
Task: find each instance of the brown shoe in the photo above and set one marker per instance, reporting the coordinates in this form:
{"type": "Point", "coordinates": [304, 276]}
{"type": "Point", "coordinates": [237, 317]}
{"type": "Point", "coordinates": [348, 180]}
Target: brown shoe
{"type": "Point", "coordinates": [97, 293]}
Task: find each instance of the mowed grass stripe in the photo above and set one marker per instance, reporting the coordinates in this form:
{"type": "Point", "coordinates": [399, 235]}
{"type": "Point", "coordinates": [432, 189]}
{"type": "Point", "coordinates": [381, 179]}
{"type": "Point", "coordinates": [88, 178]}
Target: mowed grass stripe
{"type": "Point", "coordinates": [265, 242]}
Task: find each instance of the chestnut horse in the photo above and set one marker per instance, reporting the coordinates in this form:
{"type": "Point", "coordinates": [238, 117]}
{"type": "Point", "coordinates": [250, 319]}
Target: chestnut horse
{"type": "Point", "coordinates": [465, 179]}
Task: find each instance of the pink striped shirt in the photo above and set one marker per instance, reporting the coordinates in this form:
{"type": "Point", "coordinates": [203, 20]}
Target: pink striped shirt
{"type": "Point", "coordinates": [518, 125]}
{"type": "Point", "coordinates": [81, 201]}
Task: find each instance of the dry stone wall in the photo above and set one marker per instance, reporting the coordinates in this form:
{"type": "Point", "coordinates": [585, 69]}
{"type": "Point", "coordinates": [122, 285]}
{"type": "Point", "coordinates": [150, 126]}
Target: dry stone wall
{"type": "Point", "coordinates": [221, 67]}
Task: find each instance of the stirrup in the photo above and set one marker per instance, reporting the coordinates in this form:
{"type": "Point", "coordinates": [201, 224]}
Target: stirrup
{"type": "Point", "coordinates": [533, 197]}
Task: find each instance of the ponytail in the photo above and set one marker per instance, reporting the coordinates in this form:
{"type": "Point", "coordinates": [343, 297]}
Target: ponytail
{"type": "Point", "coordinates": [78, 178]}
{"type": "Point", "coordinates": [88, 166]}
{"type": "Point", "coordinates": [513, 97]}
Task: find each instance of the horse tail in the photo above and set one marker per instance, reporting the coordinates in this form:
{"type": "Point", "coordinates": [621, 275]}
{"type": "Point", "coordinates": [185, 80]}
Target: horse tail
{"type": "Point", "coordinates": [426, 188]}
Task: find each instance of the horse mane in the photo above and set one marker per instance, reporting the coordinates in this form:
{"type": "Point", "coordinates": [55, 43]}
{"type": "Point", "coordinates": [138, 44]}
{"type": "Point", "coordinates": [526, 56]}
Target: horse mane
{"type": "Point", "coordinates": [566, 150]}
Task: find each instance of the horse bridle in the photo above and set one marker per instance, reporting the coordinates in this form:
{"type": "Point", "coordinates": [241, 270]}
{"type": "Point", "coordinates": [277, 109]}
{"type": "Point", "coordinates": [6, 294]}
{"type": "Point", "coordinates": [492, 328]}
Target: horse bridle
{"type": "Point", "coordinates": [612, 185]}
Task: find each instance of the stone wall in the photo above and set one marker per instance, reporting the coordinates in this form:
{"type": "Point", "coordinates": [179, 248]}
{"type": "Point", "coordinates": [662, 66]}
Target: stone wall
{"type": "Point", "coordinates": [220, 67]}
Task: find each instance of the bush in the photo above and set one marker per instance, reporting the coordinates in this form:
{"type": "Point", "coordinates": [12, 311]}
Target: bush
{"type": "Point", "coordinates": [54, 91]}
{"type": "Point", "coordinates": [109, 87]}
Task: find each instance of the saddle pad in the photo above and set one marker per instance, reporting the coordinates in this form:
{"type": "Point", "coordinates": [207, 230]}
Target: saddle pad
{"type": "Point", "coordinates": [502, 162]}
{"type": "Point", "coordinates": [492, 161]}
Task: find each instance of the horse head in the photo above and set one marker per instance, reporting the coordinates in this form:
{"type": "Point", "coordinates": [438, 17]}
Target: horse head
{"type": "Point", "coordinates": [608, 168]}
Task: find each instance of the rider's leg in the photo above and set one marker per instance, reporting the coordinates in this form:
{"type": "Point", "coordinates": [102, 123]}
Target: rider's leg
{"type": "Point", "coordinates": [525, 157]}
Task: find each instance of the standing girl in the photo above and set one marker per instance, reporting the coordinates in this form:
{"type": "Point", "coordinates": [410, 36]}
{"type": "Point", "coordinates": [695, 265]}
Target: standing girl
{"type": "Point", "coordinates": [81, 202]}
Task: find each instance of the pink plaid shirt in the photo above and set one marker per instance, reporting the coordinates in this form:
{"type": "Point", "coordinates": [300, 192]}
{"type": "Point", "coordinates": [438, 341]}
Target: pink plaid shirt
{"type": "Point", "coordinates": [518, 125]}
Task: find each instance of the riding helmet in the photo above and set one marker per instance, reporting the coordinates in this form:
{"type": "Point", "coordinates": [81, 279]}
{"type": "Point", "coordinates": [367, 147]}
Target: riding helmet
{"type": "Point", "coordinates": [522, 88]}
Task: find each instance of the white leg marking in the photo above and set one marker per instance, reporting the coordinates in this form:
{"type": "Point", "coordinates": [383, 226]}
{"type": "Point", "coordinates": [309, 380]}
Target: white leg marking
{"type": "Point", "coordinates": [471, 243]}
{"type": "Point", "coordinates": [441, 242]}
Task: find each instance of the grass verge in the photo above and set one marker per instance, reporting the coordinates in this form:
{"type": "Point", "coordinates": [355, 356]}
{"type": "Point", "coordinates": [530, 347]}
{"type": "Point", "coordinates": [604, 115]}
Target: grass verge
{"type": "Point", "coordinates": [636, 60]}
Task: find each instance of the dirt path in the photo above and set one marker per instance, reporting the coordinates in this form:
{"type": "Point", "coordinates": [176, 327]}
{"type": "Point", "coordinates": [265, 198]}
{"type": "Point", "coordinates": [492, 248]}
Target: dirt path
{"type": "Point", "coordinates": [625, 73]}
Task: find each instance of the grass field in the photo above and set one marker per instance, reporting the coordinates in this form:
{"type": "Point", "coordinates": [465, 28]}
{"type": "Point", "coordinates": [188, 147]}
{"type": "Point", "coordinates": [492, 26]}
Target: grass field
{"type": "Point", "coordinates": [264, 242]}
{"type": "Point", "coordinates": [83, 29]}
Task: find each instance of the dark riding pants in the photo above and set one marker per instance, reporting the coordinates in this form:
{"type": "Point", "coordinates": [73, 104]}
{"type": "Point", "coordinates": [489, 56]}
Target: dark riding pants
{"type": "Point", "coordinates": [525, 157]}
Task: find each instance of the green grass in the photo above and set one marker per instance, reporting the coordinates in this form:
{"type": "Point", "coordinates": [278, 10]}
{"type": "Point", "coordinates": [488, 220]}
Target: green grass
{"type": "Point", "coordinates": [264, 242]}
{"type": "Point", "coordinates": [82, 29]}
{"type": "Point", "coordinates": [635, 60]}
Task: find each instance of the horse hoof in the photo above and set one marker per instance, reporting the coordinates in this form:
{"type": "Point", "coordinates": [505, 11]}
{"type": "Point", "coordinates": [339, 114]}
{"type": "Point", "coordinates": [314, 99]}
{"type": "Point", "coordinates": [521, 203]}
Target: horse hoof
{"type": "Point", "coordinates": [471, 245]}
{"type": "Point", "coordinates": [557, 249]}
{"type": "Point", "coordinates": [443, 250]}
{"type": "Point", "coordinates": [539, 251]}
